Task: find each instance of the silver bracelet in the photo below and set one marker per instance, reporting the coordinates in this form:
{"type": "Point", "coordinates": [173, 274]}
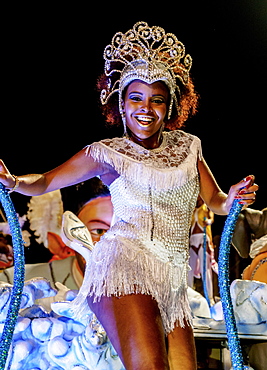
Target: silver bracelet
{"type": "Point", "coordinates": [16, 184]}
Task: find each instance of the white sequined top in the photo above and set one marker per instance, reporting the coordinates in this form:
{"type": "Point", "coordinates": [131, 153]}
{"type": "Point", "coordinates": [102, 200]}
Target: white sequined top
{"type": "Point", "coordinates": [146, 248]}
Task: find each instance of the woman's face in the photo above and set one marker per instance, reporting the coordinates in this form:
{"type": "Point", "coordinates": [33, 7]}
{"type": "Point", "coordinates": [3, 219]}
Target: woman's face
{"type": "Point", "coordinates": [96, 216]}
{"type": "Point", "coordinates": [145, 107]}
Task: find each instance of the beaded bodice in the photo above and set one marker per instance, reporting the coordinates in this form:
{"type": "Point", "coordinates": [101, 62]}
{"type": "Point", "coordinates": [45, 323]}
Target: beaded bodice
{"type": "Point", "coordinates": [155, 193]}
{"type": "Point", "coordinates": [162, 217]}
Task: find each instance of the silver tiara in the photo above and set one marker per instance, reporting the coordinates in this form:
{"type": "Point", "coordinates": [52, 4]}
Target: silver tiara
{"type": "Point", "coordinates": [148, 54]}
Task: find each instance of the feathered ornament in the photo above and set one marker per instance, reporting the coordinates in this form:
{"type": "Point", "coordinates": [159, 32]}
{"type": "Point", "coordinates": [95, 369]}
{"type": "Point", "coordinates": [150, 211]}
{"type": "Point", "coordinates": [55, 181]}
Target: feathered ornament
{"type": "Point", "coordinates": [45, 214]}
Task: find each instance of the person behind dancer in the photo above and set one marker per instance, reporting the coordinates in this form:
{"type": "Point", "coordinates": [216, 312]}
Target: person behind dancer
{"type": "Point", "coordinates": [90, 201]}
{"type": "Point", "coordinates": [202, 218]}
{"type": "Point", "coordinates": [136, 279]}
{"type": "Point", "coordinates": [250, 240]}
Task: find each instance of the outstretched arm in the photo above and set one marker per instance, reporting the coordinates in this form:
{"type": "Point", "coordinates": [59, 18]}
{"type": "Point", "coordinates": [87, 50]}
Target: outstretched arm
{"type": "Point", "coordinates": [79, 168]}
{"type": "Point", "coordinates": [218, 201]}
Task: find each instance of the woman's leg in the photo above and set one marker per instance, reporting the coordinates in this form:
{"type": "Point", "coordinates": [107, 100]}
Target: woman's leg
{"type": "Point", "coordinates": [134, 327]}
{"type": "Point", "coordinates": [181, 349]}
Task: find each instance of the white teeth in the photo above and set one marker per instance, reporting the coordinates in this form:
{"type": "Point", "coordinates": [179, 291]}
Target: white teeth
{"type": "Point", "coordinates": [145, 119]}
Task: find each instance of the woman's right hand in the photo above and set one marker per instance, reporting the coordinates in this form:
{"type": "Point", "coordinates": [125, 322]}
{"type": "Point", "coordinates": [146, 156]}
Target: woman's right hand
{"type": "Point", "coordinates": [5, 176]}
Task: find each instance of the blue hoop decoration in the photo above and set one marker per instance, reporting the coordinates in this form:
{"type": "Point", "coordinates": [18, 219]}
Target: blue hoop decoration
{"type": "Point", "coordinates": [19, 271]}
{"type": "Point", "coordinates": [224, 285]}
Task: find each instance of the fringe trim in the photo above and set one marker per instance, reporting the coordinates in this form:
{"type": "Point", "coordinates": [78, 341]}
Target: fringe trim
{"type": "Point", "coordinates": [116, 270]}
{"type": "Point", "coordinates": [159, 178]}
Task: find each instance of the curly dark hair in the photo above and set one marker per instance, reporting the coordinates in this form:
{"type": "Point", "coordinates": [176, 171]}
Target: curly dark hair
{"type": "Point", "coordinates": [188, 103]}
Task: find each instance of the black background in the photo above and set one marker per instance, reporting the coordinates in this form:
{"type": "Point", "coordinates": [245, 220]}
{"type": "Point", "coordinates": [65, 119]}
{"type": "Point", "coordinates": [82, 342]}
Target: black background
{"type": "Point", "coordinates": [52, 54]}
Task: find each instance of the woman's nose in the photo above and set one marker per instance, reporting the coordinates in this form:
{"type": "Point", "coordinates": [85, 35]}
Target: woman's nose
{"type": "Point", "coordinates": [146, 106]}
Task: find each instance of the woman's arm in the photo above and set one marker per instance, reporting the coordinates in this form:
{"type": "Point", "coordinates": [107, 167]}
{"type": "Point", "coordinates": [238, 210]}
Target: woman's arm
{"type": "Point", "coordinates": [79, 168]}
{"type": "Point", "coordinates": [216, 200]}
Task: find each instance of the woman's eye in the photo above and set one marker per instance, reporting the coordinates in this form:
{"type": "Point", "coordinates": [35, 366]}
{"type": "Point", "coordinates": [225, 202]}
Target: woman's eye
{"type": "Point", "coordinates": [98, 232]}
{"type": "Point", "coordinates": [135, 98]}
{"type": "Point", "coordinates": [158, 101]}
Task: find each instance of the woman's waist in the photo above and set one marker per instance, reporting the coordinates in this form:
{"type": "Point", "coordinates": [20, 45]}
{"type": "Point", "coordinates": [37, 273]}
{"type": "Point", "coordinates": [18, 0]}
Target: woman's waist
{"type": "Point", "coordinates": [175, 224]}
{"type": "Point", "coordinates": [175, 229]}
{"type": "Point", "coordinates": [167, 245]}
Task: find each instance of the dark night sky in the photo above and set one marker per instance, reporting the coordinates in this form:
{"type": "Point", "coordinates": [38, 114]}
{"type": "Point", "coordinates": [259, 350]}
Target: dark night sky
{"type": "Point", "coordinates": [52, 56]}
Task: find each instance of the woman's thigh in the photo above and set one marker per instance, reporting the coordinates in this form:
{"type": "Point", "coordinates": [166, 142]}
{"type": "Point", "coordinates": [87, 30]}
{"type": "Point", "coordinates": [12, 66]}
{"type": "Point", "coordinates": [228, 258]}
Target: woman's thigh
{"type": "Point", "coordinates": [134, 327]}
{"type": "Point", "coordinates": [181, 349]}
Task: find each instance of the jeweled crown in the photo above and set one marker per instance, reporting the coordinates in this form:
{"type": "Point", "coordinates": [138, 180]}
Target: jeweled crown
{"type": "Point", "coordinates": [146, 53]}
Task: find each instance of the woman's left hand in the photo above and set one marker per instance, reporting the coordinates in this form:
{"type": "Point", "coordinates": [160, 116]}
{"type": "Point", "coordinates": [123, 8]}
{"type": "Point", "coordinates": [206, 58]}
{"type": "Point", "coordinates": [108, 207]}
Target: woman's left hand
{"type": "Point", "coordinates": [244, 191]}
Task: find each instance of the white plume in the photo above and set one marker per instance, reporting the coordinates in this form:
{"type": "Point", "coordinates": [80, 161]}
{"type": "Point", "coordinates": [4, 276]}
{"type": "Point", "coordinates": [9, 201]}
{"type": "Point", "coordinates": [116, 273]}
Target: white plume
{"type": "Point", "coordinates": [45, 214]}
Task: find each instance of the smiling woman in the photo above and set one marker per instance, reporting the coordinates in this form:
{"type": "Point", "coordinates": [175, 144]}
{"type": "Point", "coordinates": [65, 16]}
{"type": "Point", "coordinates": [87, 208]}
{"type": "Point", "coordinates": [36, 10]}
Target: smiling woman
{"type": "Point", "coordinates": [145, 108]}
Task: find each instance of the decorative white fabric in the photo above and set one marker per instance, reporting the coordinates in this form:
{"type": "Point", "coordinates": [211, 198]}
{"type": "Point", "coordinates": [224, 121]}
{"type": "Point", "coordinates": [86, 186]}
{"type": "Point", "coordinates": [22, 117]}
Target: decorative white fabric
{"type": "Point", "coordinates": [146, 249]}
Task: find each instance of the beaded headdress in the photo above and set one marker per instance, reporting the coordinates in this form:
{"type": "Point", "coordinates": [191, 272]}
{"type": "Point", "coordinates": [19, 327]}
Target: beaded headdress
{"type": "Point", "coordinates": [148, 54]}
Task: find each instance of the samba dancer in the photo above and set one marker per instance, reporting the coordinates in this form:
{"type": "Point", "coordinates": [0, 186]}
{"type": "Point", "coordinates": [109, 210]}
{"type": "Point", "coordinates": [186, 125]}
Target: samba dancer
{"type": "Point", "coordinates": [136, 278]}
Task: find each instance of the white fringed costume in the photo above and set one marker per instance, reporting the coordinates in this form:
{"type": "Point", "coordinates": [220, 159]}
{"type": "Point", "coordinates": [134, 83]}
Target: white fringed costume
{"type": "Point", "coordinates": [146, 249]}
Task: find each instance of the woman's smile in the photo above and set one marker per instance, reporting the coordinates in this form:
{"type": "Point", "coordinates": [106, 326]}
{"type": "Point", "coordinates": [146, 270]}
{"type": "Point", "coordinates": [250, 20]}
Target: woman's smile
{"type": "Point", "coordinates": [144, 120]}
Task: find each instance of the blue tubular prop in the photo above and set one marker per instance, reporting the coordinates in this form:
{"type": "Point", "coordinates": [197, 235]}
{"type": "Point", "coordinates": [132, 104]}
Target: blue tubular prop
{"type": "Point", "coordinates": [19, 270]}
{"type": "Point", "coordinates": [224, 285]}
